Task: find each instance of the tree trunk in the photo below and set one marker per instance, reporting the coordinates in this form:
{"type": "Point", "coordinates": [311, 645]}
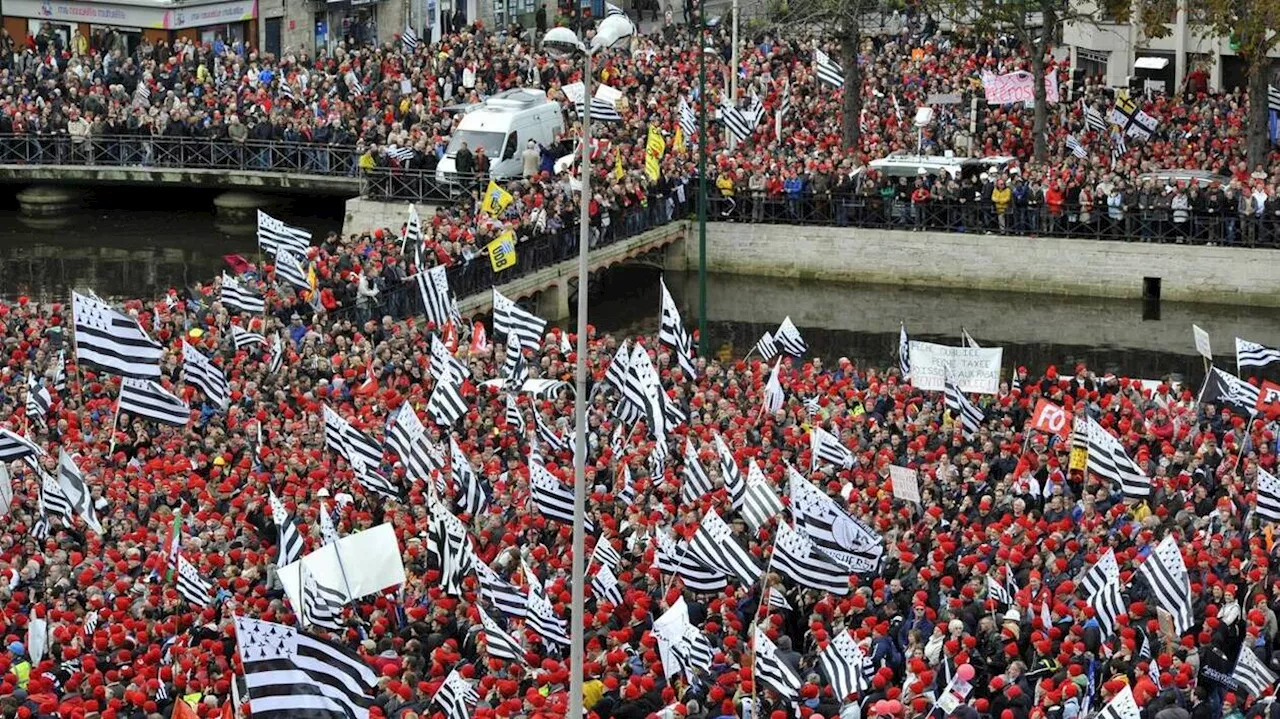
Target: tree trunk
{"type": "Point", "coordinates": [851, 125]}
{"type": "Point", "coordinates": [1040, 123]}
{"type": "Point", "coordinates": [1259, 115]}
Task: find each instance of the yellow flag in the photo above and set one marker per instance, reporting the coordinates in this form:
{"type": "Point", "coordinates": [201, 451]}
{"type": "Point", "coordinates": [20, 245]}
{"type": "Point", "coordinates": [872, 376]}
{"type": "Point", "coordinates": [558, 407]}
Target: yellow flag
{"type": "Point", "coordinates": [496, 200]}
{"type": "Point", "coordinates": [618, 172]}
{"type": "Point", "coordinates": [654, 148]}
{"type": "Point", "coordinates": [502, 251]}
{"type": "Point", "coordinates": [678, 141]}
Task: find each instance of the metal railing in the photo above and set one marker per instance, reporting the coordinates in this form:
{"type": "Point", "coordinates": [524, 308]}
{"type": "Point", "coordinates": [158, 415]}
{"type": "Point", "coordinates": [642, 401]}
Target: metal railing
{"type": "Point", "coordinates": [1137, 224]}
{"type": "Point", "coordinates": [159, 151]}
{"type": "Point", "coordinates": [415, 185]}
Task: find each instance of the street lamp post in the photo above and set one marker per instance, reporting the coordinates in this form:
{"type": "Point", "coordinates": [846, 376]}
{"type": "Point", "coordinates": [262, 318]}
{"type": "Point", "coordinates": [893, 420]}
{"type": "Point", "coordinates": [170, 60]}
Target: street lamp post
{"type": "Point", "coordinates": [610, 31]}
{"type": "Point", "coordinates": [702, 179]}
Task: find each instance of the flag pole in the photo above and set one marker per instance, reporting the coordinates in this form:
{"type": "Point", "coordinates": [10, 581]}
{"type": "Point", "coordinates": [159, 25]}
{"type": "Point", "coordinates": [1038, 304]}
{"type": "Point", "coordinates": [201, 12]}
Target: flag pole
{"type": "Point", "coordinates": [755, 651]}
{"type": "Point", "coordinates": [115, 418]}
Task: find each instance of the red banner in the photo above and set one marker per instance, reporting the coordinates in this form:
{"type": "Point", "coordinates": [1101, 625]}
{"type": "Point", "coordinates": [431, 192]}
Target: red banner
{"type": "Point", "coordinates": [1051, 419]}
{"type": "Point", "coordinates": [1269, 399]}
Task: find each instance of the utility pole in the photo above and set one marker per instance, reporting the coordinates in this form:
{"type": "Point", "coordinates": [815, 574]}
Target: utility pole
{"type": "Point", "coordinates": [702, 176]}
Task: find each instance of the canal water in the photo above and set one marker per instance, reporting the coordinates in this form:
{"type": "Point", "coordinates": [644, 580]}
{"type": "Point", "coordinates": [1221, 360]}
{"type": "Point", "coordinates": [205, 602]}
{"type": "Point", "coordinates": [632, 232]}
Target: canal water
{"type": "Point", "coordinates": [130, 243]}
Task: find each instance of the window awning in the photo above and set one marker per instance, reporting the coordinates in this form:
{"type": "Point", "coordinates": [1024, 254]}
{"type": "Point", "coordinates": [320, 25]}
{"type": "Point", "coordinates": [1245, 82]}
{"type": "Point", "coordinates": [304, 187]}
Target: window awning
{"type": "Point", "coordinates": [1151, 63]}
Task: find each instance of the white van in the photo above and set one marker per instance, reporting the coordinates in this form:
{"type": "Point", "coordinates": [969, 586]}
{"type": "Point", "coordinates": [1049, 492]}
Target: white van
{"type": "Point", "coordinates": [902, 164]}
{"type": "Point", "coordinates": [503, 125]}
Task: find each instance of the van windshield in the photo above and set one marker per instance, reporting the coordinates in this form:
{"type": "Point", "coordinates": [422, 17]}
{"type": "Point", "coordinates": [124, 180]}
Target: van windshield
{"type": "Point", "coordinates": [490, 141]}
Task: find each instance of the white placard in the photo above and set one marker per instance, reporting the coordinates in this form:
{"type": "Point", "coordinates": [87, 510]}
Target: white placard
{"type": "Point", "coordinates": [575, 91]}
{"type": "Point", "coordinates": [365, 562]}
{"type": "Point", "coordinates": [974, 369]}
{"type": "Point", "coordinates": [608, 94]}
{"type": "Point", "coordinates": [1202, 342]}
{"type": "Point", "coordinates": [906, 483]}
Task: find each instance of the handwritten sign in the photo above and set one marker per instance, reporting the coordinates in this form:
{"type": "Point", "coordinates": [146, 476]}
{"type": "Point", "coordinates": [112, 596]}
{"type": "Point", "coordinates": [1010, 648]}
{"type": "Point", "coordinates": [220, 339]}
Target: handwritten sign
{"type": "Point", "coordinates": [906, 483]}
{"type": "Point", "coordinates": [1202, 342]}
{"type": "Point", "coordinates": [973, 369]}
{"type": "Point", "coordinates": [1017, 87]}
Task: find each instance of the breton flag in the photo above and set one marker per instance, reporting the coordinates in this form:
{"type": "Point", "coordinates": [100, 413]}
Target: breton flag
{"type": "Point", "coordinates": [1273, 98]}
{"type": "Point", "coordinates": [470, 493]}
{"type": "Point", "coordinates": [548, 436]}
{"type": "Point", "coordinates": [774, 396]}
{"type": "Point", "coordinates": [789, 339]}
{"type": "Point", "coordinates": [1166, 574]}
{"type": "Point", "coordinates": [446, 404]}
{"type": "Point", "coordinates": [1121, 706]}
{"type": "Point", "coordinates": [437, 302]}
{"type": "Point", "coordinates": [289, 546]}
{"type": "Point", "coordinates": [293, 673]}
{"type": "Point", "coordinates": [826, 448]}
{"type": "Point", "coordinates": [794, 557]}
{"type": "Point", "coordinates": [674, 557]}
{"type": "Point", "coordinates": [644, 390]}
{"type": "Point", "coordinates": [1252, 354]}
{"type": "Point", "coordinates": [784, 109]}
{"type": "Point", "coordinates": [541, 617]}
{"type": "Point", "coordinates": [904, 351]}
{"type": "Point", "coordinates": [672, 333]}
{"type": "Point", "coordinates": [837, 535]}
{"type": "Point", "coordinates": [738, 122]}
{"type": "Point", "coordinates": [328, 532]}
{"type": "Point", "coordinates": [761, 503]}
{"type": "Point", "coordinates": [998, 591]}
{"type": "Point", "coordinates": [412, 235]}
{"type": "Point", "coordinates": [731, 474]}
{"type": "Point", "coordinates": [321, 605]}
{"type": "Point", "coordinates": [771, 670]}
{"type": "Point", "coordinates": [1108, 460]}
{"type": "Point", "coordinates": [688, 120]}
{"type": "Point", "coordinates": [372, 480]}
{"type": "Point", "coordinates": [110, 341]}
{"type": "Point", "coordinates": [60, 372]}
{"type": "Point", "coordinates": [499, 643]}
{"type": "Point", "coordinates": [605, 586]}
{"type": "Point", "coordinates": [616, 374]}
{"type": "Point", "coordinates": [602, 110]}
{"type": "Point", "coordinates": [448, 546]}
{"type": "Point", "coordinates": [777, 600]}
{"type": "Point", "coordinates": [1267, 504]}
{"type": "Point", "coordinates": [443, 363]}
{"type": "Point", "coordinates": [605, 554]}
{"type": "Point", "coordinates": [513, 417]}
{"type": "Point", "coordinates": [828, 70]}
{"type": "Point", "coordinates": [455, 695]}
{"type": "Point", "coordinates": [766, 347]}
{"type": "Point", "coordinates": [274, 235]}
{"type": "Point", "coordinates": [1093, 119]}
{"type": "Point", "coordinates": [1229, 391]}
{"type": "Point", "coordinates": [696, 482]}
{"type": "Point", "coordinates": [52, 499]}
{"type": "Point", "coordinates": [967, 412]}
{"type": "Point", "coordinates": [515, 371]}
{"type": "Point", "coordinates": [503, 595]}
{"type": "Point", "coordinates": [38, 399]}
{"type": "Point", "coordinates": [147, 399]}
{"type": "Point", "coordinates": [509, 318]}
{"type": "Point", "coordinates": [552, 499]}
{"type": "Point", "coordinates": [1076, 148]}
{"type": "Point", "coordinates": [241, 297]}
{"type": "Point", "coordinates": [408, 439]}
{"type": "Point", "coordinates": [409, 39]}
{"type": "Point", "coordinates": [193, 587]}
{"type": "Point", "coordinates": [199, 371]}
{"type": "Point", "coordinates": [289, 267]}
{"type": "Point", "coordinates": [1103, 571]}
{"type": "Point", "coordinates": [842, 662]}
{"type": "Point", "coordinates": [1251, 674]}
{"type": "Point", "coordinates": [75, 491]}
{"type": "Point", "coordinates": [276, 362]}
{"type": "Point", "coordinates": [692, 651]}
{"type": "Point", "coordinates": [1108, 604]}
{"type": "Point", "coordinates": [243, 338]}
{"type": "Point", "coordinates": [714, 546]}
{"type": "Point", "coordinates": [350, 442]}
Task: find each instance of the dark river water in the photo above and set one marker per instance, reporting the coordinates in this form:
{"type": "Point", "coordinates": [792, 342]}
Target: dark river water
{"type": "Point", "coordinates": [141, 242]}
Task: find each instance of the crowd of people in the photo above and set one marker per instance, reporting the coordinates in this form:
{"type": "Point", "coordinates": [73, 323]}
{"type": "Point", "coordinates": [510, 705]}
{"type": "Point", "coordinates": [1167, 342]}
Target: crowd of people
{"type": "Point", "coordinates": [1001, 503]}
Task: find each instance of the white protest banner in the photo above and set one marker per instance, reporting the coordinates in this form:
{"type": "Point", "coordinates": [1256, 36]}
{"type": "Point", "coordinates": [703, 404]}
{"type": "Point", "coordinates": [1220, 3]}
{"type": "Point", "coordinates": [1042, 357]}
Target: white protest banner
{"type": "Point", "coordinates": [668, 629]}
{"type": "Point", "coordinates": [360, 564]}
{"type": "Point", "coordinates": [1017, 87]}
{"type": "Point", "coordinates": [1202, 342]}
{"type": "Point", "coordinates": [575, 91]}
{"type": "Point", "coordinates": [906, 483]}
{"type": "Point", "coordinates": [974, 369]}
{"type": "Point", "coordinates": [608, 94]}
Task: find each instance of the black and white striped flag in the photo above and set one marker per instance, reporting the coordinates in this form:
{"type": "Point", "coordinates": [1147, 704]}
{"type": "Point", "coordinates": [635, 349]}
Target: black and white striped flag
{"type": "Point", "coordinates": [409, 39]}
{"type": "Point", "coordinates": [1076, 147]}
{"type": "Point", "coordinates": [59, 372]}
{"type": "Point", "coordinates": [627, 495]}
{"type": "Point", "coordinates": [1166, 574]}
{"type": "Point", "coordinates": [1267, 504]}
{"type": "Point", "coordinates": [1273, 98]}
{"type": "Point", "coordinates": [276, 362]}
{"type": "Point", "coordinates": [795, 557]}
{"type": "Point", "coordinates": [321, 605]}
{"type": "Point", "coordinates": [1093, 119]}
{"type": "Point", "coordinates": [1251, 674]}
{"type": "Point", "coordinates": [738, 122]}
{"type": "Point", "coordinates": [110, 341]}
{"type": "Point", "coordinates": [515, 371]}
{"type": "Point", "coordinates": [373, 480]}
{"type": "Point", "coordinates": [784, 109]}
{"type": "Point", "coordinates": [998, 591]}
{"type": "Point", "coordinates": [243, 338]}
{"type": "Point", "coordinates": [1108, 460]}
{"type": "Point", "coordinates": [767, 348]}
{"type": "Point", "coordinates": [350, 442]}
{"type": "Point", "coordinates": [147, 399]}
{"type": "Point", "coordinates": [1118, 146]}
{"type": "Point", "coordinates": [688, 120]}
{"type": "Point", "coordinates": [1252, 354]}
{"type": "Point", "coordinates": [290, 268]}
{"type": "Point", "coordinates": [837, 535]}
{"type": "Point", "coordinates": [714, 546]}
{"type": "Point", "coordinates": [774, 396]}
{"type": "Point", "coordinates": [498, 643]}
{"type": "Point", "coordinates": [605, 554]}
{"type": "Point", "coordinates": [412, 235]}
{"type": "Point", "coordinates": [514, 418]}
{"type": "Point", "coordinates": [455, 695]}
{"type": "Point", "coordinates": [555, 443]}
{"type": "Point", "coordinates": [289, 543]}
{"type": "Point", "coordinates": [775, 599]}
{"type": "Point", "coordinates": [503, 595]}
{"type": "Point", "coordinates": [241, 297]}
{"type": "Point", "coordinates": [1121, 706]}
{"type": "Point", "coordinates": [75, 490]}
{"type": "Point", "coordinates": [199, 371]}
{"type": "Point", "coordinates": [552, 499]}
{"type": "Point", "coordinates": [1103, 571]}
{"type": "Point", "coordinates": [437, 302]}
{"type": "Point", "coordinates": [408, 439]}
{"type": "Point", "coordinates": [770, 669]}
{"type": "Point", "coordinates": [671, 333]}
{"type": "Point", "coordinates": [605, 586]}
{"type": "Point", "coordinates": [828, 70]}
{"type": "Point", "coordinates": [541, 616]}
{"type": "Point", "coordinates": [904, 351]}
{"type": "Point", "coordinates": [962, 409]}
{"type": "Point", "coordinates": [52, 500]}
{"type": "Point", "coordinates": [1108, 604]}
{"type": "Point", "coordinates": [274, 234]}
{"type": "Point", "coordinates": [38, 399]}
{"type": "Point", "coordinates": [449, 545]}
{"type": "Point", "coordinates": [789, 339]}
{"type": "Point", "coordinates": [471, 493]}
{"type": "Point", "coordinates": [509, 318]}
{"type": "Point", "coordinates": [734, 482]}
{"type": "Point", "coordinates": [692, 651]}
{"type": "Point", "coordinates": [643, 390]}
{"type": "Point", "coordinates": [446, 404]}
{"type": "Point", "coordinates": [602, 110]}
{"type": "Point", "coordinates": [141, 94]}
{"type": "Point", "coordinates": [674, 557]}
{"type": "Point", "coordinates": [826, 448]}
{"type": "Point", "coordinates": [616, 374]}
{"type": "Point", "coordinates": [293, 673]}
{"type": "Point", "coordinates": [443, 363]}
{"type": "Point", "coordinates": [193, 587]}
{"type": "Point", "coordinates": [843, 663]}
{"type": "Point", "coordinates": [696, 482]}
{"type": "Point", "coordinates": [761, 503]}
